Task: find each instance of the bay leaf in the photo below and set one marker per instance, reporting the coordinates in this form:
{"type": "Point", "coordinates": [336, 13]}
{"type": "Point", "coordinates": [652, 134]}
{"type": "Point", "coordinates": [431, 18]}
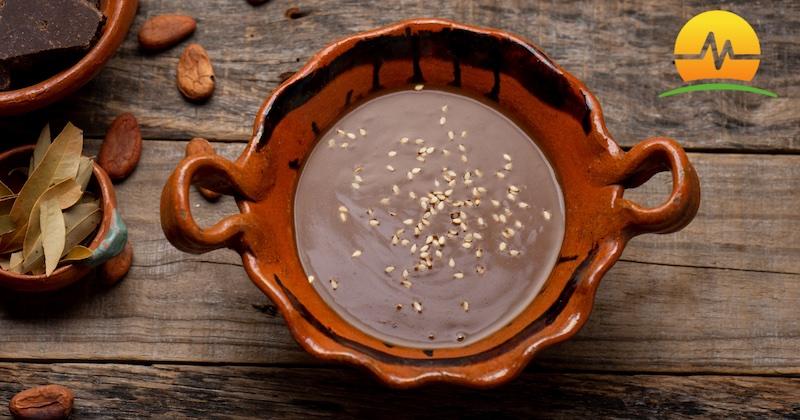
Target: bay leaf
{"type": "Point", "coordinates": [77, 253]}
{"type": "Point", "coordinates": [80, 221]}
{"type": "Point", "coordinates": [42, 144]}
{"type": "Point", "coordinates": [84, 175]}
{"type": "Point", "coordinates": [15, 262]}
{"type": "Point", "coordinates": [66, 193]}
{"type": "Point", "coordinates": [6, 225]}
{"type": "Point", "coordinates": [5, 191]}
{"type": "Point", "coordinates": [53, 233]}
{"type": "Point", "coordinates": [59, 163]}
{"type": "Point", "coordinates": [6, 203]}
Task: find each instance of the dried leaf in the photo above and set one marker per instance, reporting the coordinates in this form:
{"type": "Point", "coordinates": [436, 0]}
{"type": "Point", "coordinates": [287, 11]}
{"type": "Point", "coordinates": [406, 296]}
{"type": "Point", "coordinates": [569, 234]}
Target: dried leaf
{"type": "Point", "coordinates": [15, 263]}
{"type": "Point", "coordinates": [5, 263]}
{"type": "Point", "coordinates": [53, 233]}
{"type": "Point", "coordinates": [59, 163]}
{"type": "Point", "coordinates": [6, 225]}
{"type": "Point", "coordinates": [6, 203]}
{"type": "Point", "coordinates": [80, 221]}
{"type": "Point", "coordinates": [5, 191]}
{"type": "Point", "coordinates": [84, 172]}
{"type": "Point", "coordinates": [76, 254]}
{"type": "Point", "coordinates": [41, 148]}
{"type": "Point", "coordinates": [66, 194]}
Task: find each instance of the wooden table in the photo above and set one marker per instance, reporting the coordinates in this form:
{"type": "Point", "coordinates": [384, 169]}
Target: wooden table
{"type": "Point", "coordinates": [702, 322]}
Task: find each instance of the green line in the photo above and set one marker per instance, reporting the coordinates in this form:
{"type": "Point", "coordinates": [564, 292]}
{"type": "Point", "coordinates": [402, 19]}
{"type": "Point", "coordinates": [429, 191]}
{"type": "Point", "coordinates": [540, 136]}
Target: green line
{"type": "Point", "coordinates": [717, 86]}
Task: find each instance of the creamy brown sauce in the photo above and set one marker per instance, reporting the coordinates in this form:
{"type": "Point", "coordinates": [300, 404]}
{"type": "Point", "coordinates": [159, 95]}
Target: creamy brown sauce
{"type": "Point", "coordinates": [502, 224]}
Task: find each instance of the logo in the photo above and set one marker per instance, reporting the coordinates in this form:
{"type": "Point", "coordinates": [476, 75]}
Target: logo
{"type": "Point", "coordinates": [717, 45]}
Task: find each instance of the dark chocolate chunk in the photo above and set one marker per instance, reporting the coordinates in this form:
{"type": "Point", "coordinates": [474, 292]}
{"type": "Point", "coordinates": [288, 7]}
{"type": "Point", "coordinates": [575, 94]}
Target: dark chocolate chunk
{"type": "Point", "coordinates": [36, 33]}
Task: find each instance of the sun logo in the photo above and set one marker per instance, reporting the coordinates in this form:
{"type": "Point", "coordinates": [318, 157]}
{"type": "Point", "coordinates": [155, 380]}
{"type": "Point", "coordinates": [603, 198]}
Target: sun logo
{"type": "Point", "coordinates": [717, 45]}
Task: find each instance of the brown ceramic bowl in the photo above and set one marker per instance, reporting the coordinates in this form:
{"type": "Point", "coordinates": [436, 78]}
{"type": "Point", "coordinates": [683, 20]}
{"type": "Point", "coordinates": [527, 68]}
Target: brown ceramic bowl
{"type": "Point", "coordinates": [119, 16]}
{"type": "Point", "coordinates": [109, 240]}
{"type": "Point", "coordinates": [549, 103]}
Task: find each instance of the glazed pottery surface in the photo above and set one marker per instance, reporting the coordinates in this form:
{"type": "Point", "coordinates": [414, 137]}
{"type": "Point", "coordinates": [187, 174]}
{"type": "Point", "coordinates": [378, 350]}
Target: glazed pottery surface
{"type": "Point", "coordinates": [552, 106]}
{"type": "Point", "coordinates": [109, 240]}
{"type": "Point", "coordinates": [119, 16]}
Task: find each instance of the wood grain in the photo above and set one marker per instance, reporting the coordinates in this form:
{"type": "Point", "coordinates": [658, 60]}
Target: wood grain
{"type": "Point", "coordinates": [164, 391]}
{"type": "Point", "coordinates": [718, 297]}
{"type": "Point", "coordinates": [621, 50]}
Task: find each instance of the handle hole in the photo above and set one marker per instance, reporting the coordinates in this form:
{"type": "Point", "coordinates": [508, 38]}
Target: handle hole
{"type": "Point", "coordinates": [207, 213]}
{"type": "Point", "coordinates": [652, 193]}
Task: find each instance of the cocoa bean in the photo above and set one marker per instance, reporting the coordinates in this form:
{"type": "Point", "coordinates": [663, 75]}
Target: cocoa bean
{"type": "Point", "coordinates": [198, 147]}
{"type": "Point", "coordinates": [42, 402]}
{"type": "Point", "coordinates": [122, 147]}
{"type": "Point", "coordinates": [163, 31]}
{"type": "Point", "coordinates": [195, 74]}
{"type": "Point", "coordinates": [115, 269]}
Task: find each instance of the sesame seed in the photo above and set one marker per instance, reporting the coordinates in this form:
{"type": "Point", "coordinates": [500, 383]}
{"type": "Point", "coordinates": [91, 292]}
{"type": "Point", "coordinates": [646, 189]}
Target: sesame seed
{"type": "Point", "coordinates": [479, 253]}
{"type": "Point", "coordinates": [464, 158]}
{"type": "Point", "coordinates": [419, 141]}
{"type": "Point", "coordinates": [351, 136]}
{"type": "Point", "coordinates": [334, 283]}
{"type": "Point", "coordinates": [385, 200]}
{"type": "Point", "coordinates": [451, 263]}
{"type": "Point", "coordinates": [451, 135]}
{"type": "Point", "coordinates": [481, 222]}
{"type": "Point", "coordinates": [395, 189]}
{"type": "Point", "coordinates": [343, 209]}
{"type": "Point", "coordinates": [518, 224]}
{"type": "Point", "coordinates": [311, 279]}
{"type": "Point", "coordinates": [546, 215]}
{"type": "Point", "coordinates": [362, 131]}
{"type": "Point", "coordinates": [356, 185]}
{"type": "Point", "coordinates": [458, 275]}
{"type": "Point", "coordinates": [344, 145]}
{"type": "Point", "coordinates": [392, 153]}
{"type": "Point", "coordinates": [502, 218]}
{"type": "Point", "coordinates": [442, 120]}
{"type": "Point", "coordinates": [374, 222]}
{"type": "Point", "coordinates": [356, 253]}
{"type": "Point", "coordinates": [465, 306]}
{"type": "Point", "coordinates": [407, 284]}
{"type": "Point", "coordinates": [462, 148]}
{"type": "Point", "coordinates": [358, 178]}
{"type": "Point", "coordinates": [405, 274]}
{"type": "Point", "coordinates": [341, 132]}
{"type": "Point", "coordinates": [464, 133]}
{"type": "Point", "coordinates": [444, 108]}
{"type": "Point", "coordinates": [331, 142]}
{"type": "Point", "coordinates": [513, 252]}
{"type": "Point", "coordinates": [507, 157]}
{"type": "Point", "coordinates": [409, 175]}
{"type": "Point", "coordinates": [500, 175]}
{"type": "Point", "coordinates": [508, 166]}
{"type": "Point", "coordinates": [419, 87]}
{"type": "Point", "coordinates": [390, 168]}
{"type": "Point", "coordinates": [412, 195]}
{"type": "Point", "coordinates": [416, 170]}
{"type": "Point", "coordinates": [466, 245]}
{"type": "Point", "coordinates": [417, 306]}
{"type": "Point", "coordinates": [343, 217]}
{"type": "Point", "coordinates": [404, 140]}
{"type": "Point", "coordinates": [389, 269]}
{"type": "Point", "coordinates": [413, 248]}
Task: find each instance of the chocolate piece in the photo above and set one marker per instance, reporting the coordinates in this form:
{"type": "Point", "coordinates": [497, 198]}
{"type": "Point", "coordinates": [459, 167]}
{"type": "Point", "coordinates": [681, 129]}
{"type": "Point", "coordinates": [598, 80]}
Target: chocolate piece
{"type": "Point", "coordinates": [46, 32]}
{"type": "Point", "coordinates": [484, 198]}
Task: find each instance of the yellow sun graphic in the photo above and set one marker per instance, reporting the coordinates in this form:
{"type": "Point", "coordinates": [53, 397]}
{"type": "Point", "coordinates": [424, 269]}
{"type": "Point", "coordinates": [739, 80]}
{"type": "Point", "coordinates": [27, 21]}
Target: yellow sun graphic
{"type": "Point", "coordinates": [717, 44]}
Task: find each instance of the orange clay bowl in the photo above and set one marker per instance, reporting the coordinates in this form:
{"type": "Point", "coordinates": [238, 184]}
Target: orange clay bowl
{"type": "Point", "coordinates": [109, 239]}
{"type": "Point", "coordinates": [549, 103]}
{"type": "Point", "coordinates": [119, 16]}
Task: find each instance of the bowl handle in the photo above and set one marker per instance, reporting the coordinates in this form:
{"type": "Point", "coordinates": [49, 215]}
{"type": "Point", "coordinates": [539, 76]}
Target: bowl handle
{"type": "Point", "coordinates": [210, 171]}
{"type": "Point", "coordinates": [646, 159]}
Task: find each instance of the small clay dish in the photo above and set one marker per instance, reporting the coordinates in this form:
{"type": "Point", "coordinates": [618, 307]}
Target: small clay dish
{"type": "Point", "coordinates": [109, 240]}
{"type": "Point", "coordinates": [119, 16]}
{"type": "Point", "coordinates": [551, 105]}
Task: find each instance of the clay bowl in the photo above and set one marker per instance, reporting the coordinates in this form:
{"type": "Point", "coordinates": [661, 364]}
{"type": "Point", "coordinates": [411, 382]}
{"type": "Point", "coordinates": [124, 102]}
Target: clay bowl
{"type": "Point", "coordinates": [119, 16]}
{"type": "Point", "coordinates": [549, 103]}
{"type": "Point", "coordinates": [109, 240]}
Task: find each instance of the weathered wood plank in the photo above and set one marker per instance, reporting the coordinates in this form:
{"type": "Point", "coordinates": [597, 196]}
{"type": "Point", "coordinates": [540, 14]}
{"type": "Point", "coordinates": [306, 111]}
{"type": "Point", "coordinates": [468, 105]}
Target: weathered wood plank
{"type": "Point", "coordinates": [623, 51]}
{"type": "Point", "coordinates": [167, 391]}
{"type": "Point", "coordinates": [733, 312]}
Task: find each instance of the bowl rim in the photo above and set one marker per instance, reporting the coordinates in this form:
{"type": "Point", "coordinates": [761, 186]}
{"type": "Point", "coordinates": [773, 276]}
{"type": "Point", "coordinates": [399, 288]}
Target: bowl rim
{"type": "Point", "coordinates": [108, 204]}
{"type": "Point", "coordinates": [119, 17]}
